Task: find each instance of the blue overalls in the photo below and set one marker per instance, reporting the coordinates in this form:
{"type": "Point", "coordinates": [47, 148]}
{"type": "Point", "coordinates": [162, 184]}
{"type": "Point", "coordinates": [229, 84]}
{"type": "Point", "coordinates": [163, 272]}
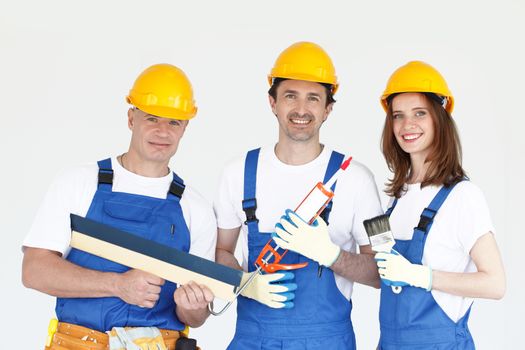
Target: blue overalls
{"type": "Point", "coordinates": [160, 220]}
{"type": "Point", "coordinates": [413, 320]}
{"type": "Point", "coordinates": [320, 318]}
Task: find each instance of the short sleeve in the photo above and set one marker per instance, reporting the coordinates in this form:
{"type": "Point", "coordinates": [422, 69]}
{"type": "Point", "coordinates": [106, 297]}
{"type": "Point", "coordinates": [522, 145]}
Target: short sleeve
{"type": "Point", "coordinates": [203, 230]}
{"type": "Point", "coordinates": [70, 192]}
{"type": "Point", "coordinates": [223, 205]}
{"type": "Point", "coordinates": [367, 205]}
{"type": "Point", "coordinates": [475, 220]}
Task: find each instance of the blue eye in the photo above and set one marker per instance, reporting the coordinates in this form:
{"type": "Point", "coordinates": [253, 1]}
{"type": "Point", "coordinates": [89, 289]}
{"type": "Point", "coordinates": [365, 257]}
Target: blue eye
{"type": "Point", "coordinates": [174, 123]}
{"type": "Point", "coordinates": [420, 113]}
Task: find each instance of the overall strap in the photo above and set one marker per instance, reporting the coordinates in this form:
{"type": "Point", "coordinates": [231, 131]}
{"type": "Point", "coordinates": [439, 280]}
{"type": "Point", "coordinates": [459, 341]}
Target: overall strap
{"type": "Point", "coordinates": [336, 159]}
{"type": "Point", "coordinates": [426, 220]}
{"type": "Point", "coordinates": [105, 175]}
{"type": "Point", "coordinates": [176, 188]}
{"type": "Point", "coordinates": [249, 203]}
{"type": "Point", "coordinates": [389, 210]}
{"type": "Point", "coordinates": [427, 216]}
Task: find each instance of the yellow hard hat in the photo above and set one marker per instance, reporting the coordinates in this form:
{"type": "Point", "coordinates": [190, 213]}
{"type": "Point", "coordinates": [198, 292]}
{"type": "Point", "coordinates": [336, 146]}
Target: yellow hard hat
{"type": "Point", "coordinates": [305, 61]}
{"type": "Point", "coordinates": [417, 76]}
{"type": "Point", "coordinates": [163, 90]}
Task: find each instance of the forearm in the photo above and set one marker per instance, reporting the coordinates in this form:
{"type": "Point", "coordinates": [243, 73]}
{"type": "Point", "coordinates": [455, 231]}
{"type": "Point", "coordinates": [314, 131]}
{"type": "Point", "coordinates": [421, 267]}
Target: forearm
{"type": "Point", "coordinates": [359, 268]}
{"type": "Point", "coordinates": [193, 318]}
{"type": "Point", "coordinates": [488, 282]}
{"type": "Point", "coordinates": [225, 257]}
{"type": "Point", "coordinates": [49, 273]}
{"type": "Point", "coordinates": [471, 285]}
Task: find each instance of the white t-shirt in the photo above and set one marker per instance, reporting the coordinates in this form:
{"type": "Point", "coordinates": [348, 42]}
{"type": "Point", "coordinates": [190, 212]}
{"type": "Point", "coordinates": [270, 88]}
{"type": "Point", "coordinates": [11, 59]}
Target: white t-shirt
{"type": "Point", "coordinates": [461, 220]}
{"type": "Point", "coordinates": [280, 186]}
{"type": "Point", "coordinates": [73, 191]}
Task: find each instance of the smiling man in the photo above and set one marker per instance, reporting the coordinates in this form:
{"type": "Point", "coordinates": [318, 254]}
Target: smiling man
{"type": "Point", "coordinates": [302, 308]}
{"type": "Point", "coordinates": [138, 193]}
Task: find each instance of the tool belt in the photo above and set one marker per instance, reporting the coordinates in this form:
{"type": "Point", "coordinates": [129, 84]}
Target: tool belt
{"type": "Point", "coordinates": [68, 336]}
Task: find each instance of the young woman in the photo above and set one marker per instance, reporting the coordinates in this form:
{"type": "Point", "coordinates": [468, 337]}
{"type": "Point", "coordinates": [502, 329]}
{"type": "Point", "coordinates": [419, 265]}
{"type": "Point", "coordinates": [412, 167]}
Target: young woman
{"type": "Point", "coordinates": [445, 253]}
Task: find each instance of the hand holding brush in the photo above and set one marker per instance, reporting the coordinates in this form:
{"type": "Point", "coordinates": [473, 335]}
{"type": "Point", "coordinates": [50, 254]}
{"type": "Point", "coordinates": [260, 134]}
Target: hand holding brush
{"type": "Point", "coordinates": [393, 268]}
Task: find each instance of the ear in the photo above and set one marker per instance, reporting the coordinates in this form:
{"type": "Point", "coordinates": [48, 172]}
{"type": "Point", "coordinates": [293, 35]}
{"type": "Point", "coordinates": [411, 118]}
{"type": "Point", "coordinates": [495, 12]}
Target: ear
{"type": "Point", "coordinates": [272, 101]}
{"type": "Point", "coordinates": [130, 118]}
{"type": "Point", "coordinates": [327, 111]}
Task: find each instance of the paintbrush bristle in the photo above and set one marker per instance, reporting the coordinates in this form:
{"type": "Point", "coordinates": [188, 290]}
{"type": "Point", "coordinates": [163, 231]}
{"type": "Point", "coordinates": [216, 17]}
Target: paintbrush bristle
{"type": "Point", "coordinates": [377, 225]}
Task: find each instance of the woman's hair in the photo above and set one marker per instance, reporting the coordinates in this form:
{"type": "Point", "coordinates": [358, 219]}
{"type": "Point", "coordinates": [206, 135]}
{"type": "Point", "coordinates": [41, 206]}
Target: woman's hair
{"type": "Point", "coordinates": [444, 157]}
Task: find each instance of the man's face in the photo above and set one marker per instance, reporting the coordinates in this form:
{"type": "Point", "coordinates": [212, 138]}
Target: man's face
{"type": "Point", "coordinates": [300, 107]}
{"type": "Point", "coordinates": [155, 139]}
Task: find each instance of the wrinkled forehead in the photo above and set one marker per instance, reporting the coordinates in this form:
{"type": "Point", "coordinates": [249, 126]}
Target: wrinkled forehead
{"type": "Point", "coordinates": [141, 114]}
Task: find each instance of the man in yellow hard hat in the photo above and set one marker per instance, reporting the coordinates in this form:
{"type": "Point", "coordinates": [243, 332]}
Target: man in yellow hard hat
{"type": "Point", "coordinates": [136, 192]}
{"type": "Point", "coordinates": [312, 310]}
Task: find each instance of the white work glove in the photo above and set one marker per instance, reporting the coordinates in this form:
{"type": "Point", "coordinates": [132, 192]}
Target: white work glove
{"type": "Point", "coordinates": [273, 289]}
{"type": "Point", "coordinates": [135, 338]}
{"type": "Point", "coordinates": [397, 271]}
{"type": "Point", "coordinates": [312, 241]}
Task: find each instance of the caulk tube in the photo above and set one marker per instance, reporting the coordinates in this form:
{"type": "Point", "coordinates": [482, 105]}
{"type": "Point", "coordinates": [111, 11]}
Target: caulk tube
{"type": "Point", "coordinates": [318, 198]}
{"type": "Point", "coordinates": [308, 210]}
{"type": "Point", "coordinates": [314, 203]}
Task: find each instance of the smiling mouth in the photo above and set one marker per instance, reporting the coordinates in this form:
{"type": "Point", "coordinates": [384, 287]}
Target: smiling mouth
{"type": "Point", "coordinates": [411, 137]}
{"type": "Point", "coordinates": [300, 121]}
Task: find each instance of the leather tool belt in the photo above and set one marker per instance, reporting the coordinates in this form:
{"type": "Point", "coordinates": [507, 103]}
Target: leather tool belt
{"type": "Point", "coordinates": [72, 337]}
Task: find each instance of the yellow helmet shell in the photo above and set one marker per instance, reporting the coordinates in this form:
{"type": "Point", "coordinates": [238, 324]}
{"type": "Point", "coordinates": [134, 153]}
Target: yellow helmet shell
{"type": "Point", "coordinates": [165, 91]}
{"type": "Point", "coordinates": [417, 76]}
{"type": "Point", "coordinates": [305, 61]}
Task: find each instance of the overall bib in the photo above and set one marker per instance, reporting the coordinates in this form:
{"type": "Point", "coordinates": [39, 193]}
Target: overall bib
{"type": "Point", "coordinates": [412, 319]}
{"type": "Point", "coordinates": [320, 318]}
{"type": "Point", "coordinates": [160, 220]}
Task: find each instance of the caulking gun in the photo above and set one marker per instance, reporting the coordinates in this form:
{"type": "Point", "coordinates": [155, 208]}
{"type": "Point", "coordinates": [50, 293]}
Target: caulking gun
{"type": "Point", "coordinates": [310, 207]}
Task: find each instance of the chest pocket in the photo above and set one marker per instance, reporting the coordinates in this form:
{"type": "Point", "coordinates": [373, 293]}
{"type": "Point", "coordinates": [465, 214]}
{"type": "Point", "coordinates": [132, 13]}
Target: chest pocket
{"type": "Point", "coordinates": [134, 218]}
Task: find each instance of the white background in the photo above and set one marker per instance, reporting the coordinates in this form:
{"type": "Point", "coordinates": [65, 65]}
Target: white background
{"type": "Point", "coordinates": [65, 67]}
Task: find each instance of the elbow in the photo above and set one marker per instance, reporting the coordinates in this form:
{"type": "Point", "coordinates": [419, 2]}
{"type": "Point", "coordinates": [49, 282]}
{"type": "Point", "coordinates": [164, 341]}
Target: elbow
{"type": "Point", "coordinates": [499, 290]}
{"type": "Point", "coordinates": [27, 279]}
{"type": "Point", "coordinates": [31, 272]}
{"type": "Point", "coordinates": [27, 276]}
{"type": "Point", "coordinates": [500, 294]}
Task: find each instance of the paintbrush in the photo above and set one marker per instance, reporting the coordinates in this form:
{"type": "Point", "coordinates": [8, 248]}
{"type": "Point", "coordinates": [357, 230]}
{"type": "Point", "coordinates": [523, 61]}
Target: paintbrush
{"type": "Point", "coordinates": [379, 234]}
{"type": "Point", "coordinates": [381, 239]}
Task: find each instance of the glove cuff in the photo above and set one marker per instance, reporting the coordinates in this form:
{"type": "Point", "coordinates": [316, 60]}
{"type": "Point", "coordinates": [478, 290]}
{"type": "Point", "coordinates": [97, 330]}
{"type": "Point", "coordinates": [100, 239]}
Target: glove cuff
{"type": "Point", "coordinates": [423, 277]}
{"type": "Point", "coordinates": [331, 256]}
{"type": "Point", "coordinates": [430, 273]}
